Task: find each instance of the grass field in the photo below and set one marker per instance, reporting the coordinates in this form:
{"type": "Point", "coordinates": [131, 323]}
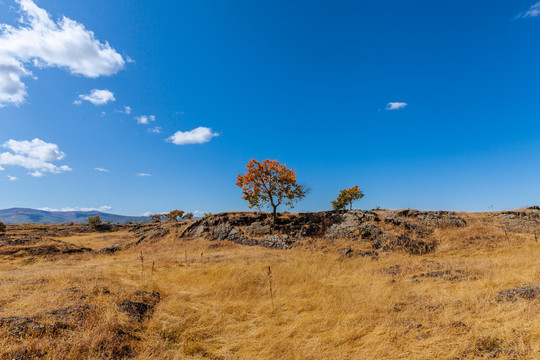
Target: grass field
{"type": "Point", "coordinates": [215, 300]}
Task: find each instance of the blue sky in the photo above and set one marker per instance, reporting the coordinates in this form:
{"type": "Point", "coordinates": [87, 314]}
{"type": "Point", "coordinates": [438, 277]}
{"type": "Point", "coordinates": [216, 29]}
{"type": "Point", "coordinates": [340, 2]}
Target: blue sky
{"type": "Point", "coordinates": [148, 106]}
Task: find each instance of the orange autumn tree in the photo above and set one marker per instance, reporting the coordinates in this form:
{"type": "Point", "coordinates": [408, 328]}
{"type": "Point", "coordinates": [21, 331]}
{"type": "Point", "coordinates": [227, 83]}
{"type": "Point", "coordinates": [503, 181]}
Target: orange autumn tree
{"type": "Point", "coordinates": [270, 183]}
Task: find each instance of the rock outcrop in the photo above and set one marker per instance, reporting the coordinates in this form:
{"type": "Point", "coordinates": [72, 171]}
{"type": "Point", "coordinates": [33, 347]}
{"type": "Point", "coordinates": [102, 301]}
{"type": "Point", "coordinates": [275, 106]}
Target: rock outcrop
{"type": "Point", "coordinates": [403, 230]}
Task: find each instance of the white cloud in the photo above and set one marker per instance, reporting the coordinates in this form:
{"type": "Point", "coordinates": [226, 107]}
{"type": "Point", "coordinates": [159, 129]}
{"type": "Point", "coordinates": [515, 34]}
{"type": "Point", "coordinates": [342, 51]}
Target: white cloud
{"type": "Point", "coordinates": [127, 110]}
{"type": "Point", "coordinates": [101, 169]}
{"type": "Point", "coordinates": [145, 119]}
{"type": "Point", "coordinates": [42, 42]}
{"type": "Point", "coordinates": [104, 208]}
{"type": "Point", "coordinates": [36, 173]}
{"type": "Point", "coordinates": [155, 130]}
{"type": "Point", "coordinates": [96, 97]}
{"type": "Point", "coordinates": [199, 135]}
{"type": "Point", "coordinates": [12, 178]}
{"type": "Point", "coordinates": [533, 11]}
{"type": "Point", "coordinates": [143, 175]}
{"type": "Point", "coordinates": [396, 105]}
{"type": "Point", "coordinates": [130, 60]}
{"type": "Point", "coordinates": [35, 155]}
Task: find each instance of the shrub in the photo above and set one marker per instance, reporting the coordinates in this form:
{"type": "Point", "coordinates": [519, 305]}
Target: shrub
{"type": "Point", "coordinates": [94, 221]}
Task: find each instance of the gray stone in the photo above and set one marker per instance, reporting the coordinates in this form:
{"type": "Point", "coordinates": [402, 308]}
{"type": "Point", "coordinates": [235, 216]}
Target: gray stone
{"type": "Point", "coordinates": [258, 229]}
{"type": "Point", "coordinates": [527, 292]}
{"type": "Point", "coordinates": [110, 249]}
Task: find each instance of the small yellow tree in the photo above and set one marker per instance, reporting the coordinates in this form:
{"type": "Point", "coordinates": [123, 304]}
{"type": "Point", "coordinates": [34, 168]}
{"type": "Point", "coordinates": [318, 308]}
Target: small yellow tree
{"type": "Point", "coordinates": [346, 197]}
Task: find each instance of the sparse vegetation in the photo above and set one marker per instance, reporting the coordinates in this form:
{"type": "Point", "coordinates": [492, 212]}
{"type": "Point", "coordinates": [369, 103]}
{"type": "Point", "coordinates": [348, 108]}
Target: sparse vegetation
{"type": "Point", "coordinates": [2, 227]}
{"type": "Point", "coordinates": [270, 183]}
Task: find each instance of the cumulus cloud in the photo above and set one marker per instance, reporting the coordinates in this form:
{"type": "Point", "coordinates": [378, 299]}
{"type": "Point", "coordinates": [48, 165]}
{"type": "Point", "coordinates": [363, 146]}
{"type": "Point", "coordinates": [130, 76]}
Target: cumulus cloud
{"type": "Point", "coordinates": [104, 208]}
{"type": "Point", "coordinates": [96, 97]}
{"type": "Point", "coordinates": [142, 175]}
{"type": "Point", "coordinates": [36, 155]}
{"type": "Point", "coordinates": [396, 105]}
{"type": "Point", "coordinates": [101, 169]}
{"type": "Point", "coordinates": [12, 178]}
{"type": "Point", "coordinates": [533, 11]}
{"type": "Point", "coordinates": [155, 130]}
{"type": "Point", "coordinates": [145, 119]}
{"type": "Point", "coordinates": [127, 110]}
{"type": "Point", "coordinates": [43, 42]}
{"type": "Point", "coordinates": [199, 135]}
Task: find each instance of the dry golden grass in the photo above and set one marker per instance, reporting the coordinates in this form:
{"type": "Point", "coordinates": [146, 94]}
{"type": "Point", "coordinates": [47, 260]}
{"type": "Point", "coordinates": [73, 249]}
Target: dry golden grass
{"type": "Point", "coordinates": [217, 305]}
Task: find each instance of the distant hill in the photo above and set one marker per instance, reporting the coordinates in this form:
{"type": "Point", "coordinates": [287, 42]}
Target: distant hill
{"type": "Point", "coordinates": [22, 215]}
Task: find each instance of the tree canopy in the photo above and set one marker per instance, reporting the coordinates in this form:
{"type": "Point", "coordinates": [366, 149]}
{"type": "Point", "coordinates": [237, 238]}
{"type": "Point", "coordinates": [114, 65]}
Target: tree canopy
{"type": "Point", "coordinates": [270, 183]}
{"type": "Point", "coordinates": [347, 197]}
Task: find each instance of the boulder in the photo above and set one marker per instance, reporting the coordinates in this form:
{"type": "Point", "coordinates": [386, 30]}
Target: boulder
{"type": "Point", "coordinates": [110, 249]}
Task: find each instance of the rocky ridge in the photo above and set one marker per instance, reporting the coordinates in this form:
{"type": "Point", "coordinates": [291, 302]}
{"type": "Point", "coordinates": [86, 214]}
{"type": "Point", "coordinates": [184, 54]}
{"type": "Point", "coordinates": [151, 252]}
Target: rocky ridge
{"type": "Point", "coordinates": [400, 230]}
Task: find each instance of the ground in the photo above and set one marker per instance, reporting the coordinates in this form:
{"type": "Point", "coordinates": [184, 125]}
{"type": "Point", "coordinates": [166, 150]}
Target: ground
{"type": "Point", "coordinates": [159, 293]}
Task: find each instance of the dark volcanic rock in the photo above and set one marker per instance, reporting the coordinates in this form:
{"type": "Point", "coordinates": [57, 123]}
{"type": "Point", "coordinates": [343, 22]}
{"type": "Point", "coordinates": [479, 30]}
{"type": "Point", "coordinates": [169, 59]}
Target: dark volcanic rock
{"type": "Point", "coordinates": [437, 218]}
{"type": "Point", "coordinates": [221, 231]}
{"type": "Point", "coordinates": [407, 225]}
{"type": "Point", "coordinates": [151, 234]}
{"type": "Point", "coordinates": [136, 310]}
{"type": "Point", "coordinates": [405, 243]}
{"type": "Point", "coordinates": [348, 252]}
{"type": "Point", "coordinates": [258, 229]}
{"type": "Point", "coordinates": [144, 305]}
{"type": "Point", "coordinates": [449, 275]}
{"type": "Point", "coordinates": [369, 232]}
{"type": "Point", "coordinates": [527, 292]}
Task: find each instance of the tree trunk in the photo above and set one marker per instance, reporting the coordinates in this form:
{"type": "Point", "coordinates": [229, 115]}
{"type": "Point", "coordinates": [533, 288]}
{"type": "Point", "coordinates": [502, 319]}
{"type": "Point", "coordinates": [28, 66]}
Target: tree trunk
{"type": "Point", "coordinates": [274, 213]}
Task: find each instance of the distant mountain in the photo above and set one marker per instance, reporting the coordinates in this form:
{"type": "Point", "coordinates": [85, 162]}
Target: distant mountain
{"type": "Point", "coordinates": [21, 216]}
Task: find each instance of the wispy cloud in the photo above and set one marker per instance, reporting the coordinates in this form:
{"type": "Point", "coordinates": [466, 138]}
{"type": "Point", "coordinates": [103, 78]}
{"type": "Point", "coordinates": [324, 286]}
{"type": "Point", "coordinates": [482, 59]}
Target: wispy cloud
{"type": "Point", "coordinates": [395, 105]}
{"type": "Point", "coordinates": [96, 97]}
{"type": "Point", "coordinates": [42, 42]}
{"type": "Point", "coordinates": [145, 119]}
{"type": "Point", "coordinates": [533, 11]}
{"type": "Point", "coordinates": [199, 135]}
{"type": "Point", "coordinates": [142, 175]}
{"type": "Point", "coordinates": [127, 110]}
{"type": "Point", "coordinates": [101, 169]}
{"type": "Point", "coordinates": [155, 130]}
{"type": "Point", "coordinates": [104, 208]}
{"type": "Point", "coordinates": [12, 178]}
{"type": "Point", "coordinates": [36, 155]}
